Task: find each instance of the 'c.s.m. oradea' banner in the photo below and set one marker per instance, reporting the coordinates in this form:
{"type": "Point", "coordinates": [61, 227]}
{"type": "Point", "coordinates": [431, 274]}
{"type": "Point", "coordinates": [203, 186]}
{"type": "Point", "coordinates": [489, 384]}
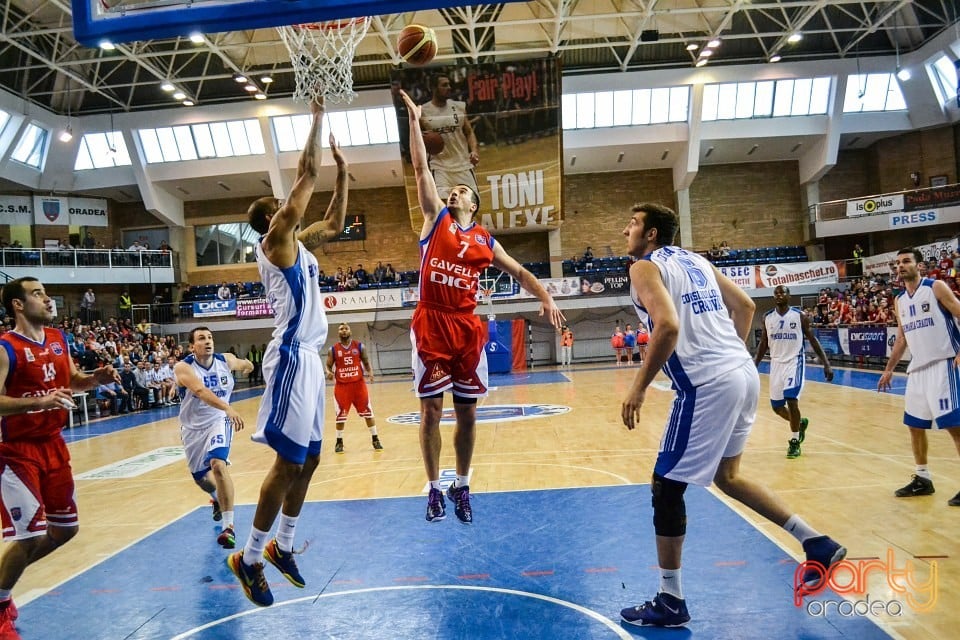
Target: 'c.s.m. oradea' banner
{"type": "Point", "coordinates": [513, 109]}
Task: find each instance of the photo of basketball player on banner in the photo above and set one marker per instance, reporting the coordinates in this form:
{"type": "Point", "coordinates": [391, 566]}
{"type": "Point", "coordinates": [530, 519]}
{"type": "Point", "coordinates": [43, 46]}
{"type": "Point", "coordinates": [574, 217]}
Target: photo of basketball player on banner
{"type": "Point", "coordinates": [494, 127]}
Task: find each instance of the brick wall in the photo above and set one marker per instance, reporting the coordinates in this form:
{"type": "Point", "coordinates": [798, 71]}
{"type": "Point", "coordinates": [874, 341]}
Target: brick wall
{"type": "Point", "coordinates": [931, 152]}
{"type": "Point", "coordinates": [854, 175]}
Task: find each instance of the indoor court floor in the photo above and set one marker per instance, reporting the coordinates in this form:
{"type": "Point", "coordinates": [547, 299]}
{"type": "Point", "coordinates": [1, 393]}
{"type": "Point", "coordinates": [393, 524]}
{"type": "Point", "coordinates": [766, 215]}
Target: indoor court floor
{"type": "Point", "coordinates": [562, 538]}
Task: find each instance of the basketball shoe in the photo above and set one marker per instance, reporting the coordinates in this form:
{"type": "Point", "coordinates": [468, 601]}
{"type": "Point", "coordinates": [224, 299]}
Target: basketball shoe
{"type": "Point", "coordinates": [804, 423]}
{"type": "Point", "coordinates": [665, 611]}
{"type": "Point", "coordinates": [954, 501]}
{"type": "Point", "coordinates": [918, 487]}
{"type": "Point", "coordinates": [460, 497]}
{"type": "Point", "coordinates": [252, 580]}
{"type": "Point", "coordinates": [339, 446]}
{"type": "Point", "coordinates": [793, 449]}
{"type": "Point", "coordinates": [376, 444]}
{"type": "Point", "coordinates": [283, 560]}
{"type": "Point", "coordinates": [825, 551]}
{"type": "Point", "coordinates": [227, 539]}
{"type": "Point", "coordinates": [7, 615]}
{"type": "Point", "coordinates": [217, 514]}
{"type": "Point", "coordinates": [436, 509]}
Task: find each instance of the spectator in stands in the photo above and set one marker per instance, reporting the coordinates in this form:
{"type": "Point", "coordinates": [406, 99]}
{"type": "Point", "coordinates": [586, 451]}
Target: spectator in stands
{"type": "Point", "coordinates": [169, 381]}
{"type": "Point", "coordinates": [136, 246]}
{"type": "Point", "coordinates": [933, 270]}
{"type": "Point", "coordinates": [360, 274]}
{"type": "Point", "coordinates": [89, 242]}
{"type": "Point", "coordinates": [16, 245]}
{"type": "Point", "coordinates": [588, 258]}
{"type": "Point", "coordinates": [224, 292]}
{"type": "Point", "coordinates": [126, 305]}
{"type": "Point", "coordinates": [352, 282]}
{"type": "Point", "coordinates": [136, 394]}
{"type": "Point", "coordinates": [856, 267]}
{"type": "Point", "coordinates": [380, 273]}
{"type": "Point", "coordinates": [143, 381]}
{"type": "Point", "coordinates": [87, 305]}
{"type": "Point", "coordinates": [724, 249]}
{"type": "Point", "coordinates": [714, 252]}
{"type": "Point", "coordinates": [946, 262]}
{"type": "Point", "coordinates": [391, 275]}
{"type": "Point", "coordinates": [115, 396]}
{"type": "Point", "coordinates": [340, 277]}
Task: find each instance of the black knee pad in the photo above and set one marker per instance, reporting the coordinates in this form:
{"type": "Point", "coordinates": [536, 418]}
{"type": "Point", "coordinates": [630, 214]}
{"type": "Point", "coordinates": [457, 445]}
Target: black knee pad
{"type": "Point", "coordinates": [669, 509]}
{"type": "Point", "coordinates": [462, 400]}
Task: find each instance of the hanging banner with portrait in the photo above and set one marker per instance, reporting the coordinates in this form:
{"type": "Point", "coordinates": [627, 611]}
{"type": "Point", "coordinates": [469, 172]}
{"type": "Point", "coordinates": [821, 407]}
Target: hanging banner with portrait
{"type": "Point", "coordinates": [494, 127]}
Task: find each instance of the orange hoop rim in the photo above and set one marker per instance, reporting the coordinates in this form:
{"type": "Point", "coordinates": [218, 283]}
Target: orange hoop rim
{"type": "Point", "coordinates": [330, 25]}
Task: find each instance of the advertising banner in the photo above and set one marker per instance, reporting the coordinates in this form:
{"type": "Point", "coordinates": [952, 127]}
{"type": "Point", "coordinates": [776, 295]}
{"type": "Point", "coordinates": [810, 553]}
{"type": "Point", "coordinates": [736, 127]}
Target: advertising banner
{"type": "Point", "coordinates": [743, 276]}
{"type": "Point", "coordinates": [879, 204]}
{"type": "Point", "coordinates": [496, 127]}
{"type": "Point", "coordinates": [931, 198]}
{"type": "Point", "coordinates": [211, 308]}
{"type": "Point", "coordinates": [772, 275]}
{"type": "Point", "coordinates": [56, 210]}
{"type": "Point", "coordinates": [906, 219]}
{"type": "Point", "coordinates": [16, 210]}
{"type": "Point", "coordinates": [867, 340]}
{"type": "Point", "coordinates": [368, 299]}
{"type": "Point", "coordinates": [50, 210]}
{"type": "Point", "coordinates": [829, 338]}
{"type": "Point", "coordinates": [257, 308]}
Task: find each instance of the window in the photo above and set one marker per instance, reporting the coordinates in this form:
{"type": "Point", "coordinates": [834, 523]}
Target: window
{"type": "Point", "coordinates": [873, 92]}
{"type": "Point", "coordinates": [4, 119]}
{"type": "Point", "coordinates": [99, 150]}
{"type": "Point", "coordinates": [30, 147]}
{"type": "Point", "coordinates": [765, 99]}
{"type": "Point", "coordinates": [944, 75]}
{"type": "Point", "coordinates": [625, 108]}
{"type": "Point", "coordinates": [201, 141]}
{"type": "Point", "coordinates": [230, 243]}
{"type": "Point", "coordinates": [354, 128]}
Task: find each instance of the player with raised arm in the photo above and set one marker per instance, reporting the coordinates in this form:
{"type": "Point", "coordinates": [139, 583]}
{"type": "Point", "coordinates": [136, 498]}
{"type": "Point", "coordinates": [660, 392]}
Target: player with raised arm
{"type": "Point", "coordinates": [290, 419]}
{"type": "Point", "coordinates": [448, 336]}
{"type": "Point", "coordinates": [207, 421]}
{"type": "Point", "coordinates": [700, 320]}
{"type": "Point", "coordinates": [37, 382]}
{"type": "Point", "coordinates": [784, 328]}
{"type": "Point", "coordinates": [347, 362]}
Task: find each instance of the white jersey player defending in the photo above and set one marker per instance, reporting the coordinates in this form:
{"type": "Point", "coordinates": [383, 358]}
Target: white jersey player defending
{"type": "Point", "coordinates": [207, 422]}
{"type": "Point", "coordinates": [454, 165]}
{"type": "Point", "coordinates": [784, 329]}
{"type": "Point", "coordinates": [698, 320]}
{"type": "Point", "coordinates": [290, 420]}
{"type": "Point", "coordinates": [927, 316]}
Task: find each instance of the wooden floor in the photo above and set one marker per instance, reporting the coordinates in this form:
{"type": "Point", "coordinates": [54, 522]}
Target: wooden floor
{"type": "Point", "coordinates": [856, 453]}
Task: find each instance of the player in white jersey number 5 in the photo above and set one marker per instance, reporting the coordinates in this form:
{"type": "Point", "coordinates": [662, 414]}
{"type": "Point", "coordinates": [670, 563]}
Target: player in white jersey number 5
{"type": "Point", "coordinates": [927, 316]}
{"type": "Point", "coordinates": [784, 328]}
{"type": "Point", "coordinates": [698, 321]}
{"type": "Point", "coordinates": [207, 421]}
{"type": "Point", "coordinates": [290, 420]}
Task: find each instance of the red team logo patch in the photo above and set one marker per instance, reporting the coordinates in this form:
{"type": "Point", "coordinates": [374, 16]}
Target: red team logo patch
{"type": "Point", "coordinates": [16, 514]}
{"type": "Point", "coordinates": [57, 348]}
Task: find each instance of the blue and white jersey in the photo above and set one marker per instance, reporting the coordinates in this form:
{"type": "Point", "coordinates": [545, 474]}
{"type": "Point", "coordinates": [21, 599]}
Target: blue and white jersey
{"type": "Point", "coordinates": [707, 345]}
{"type": "Point", "coordinates": [784, 334]}
{"type": "Point", "coordinates": [194, 412]}
{"type": "Point", "coordinates": [294, 294]}
{"type": "Point", "coordinates": [931, 331]}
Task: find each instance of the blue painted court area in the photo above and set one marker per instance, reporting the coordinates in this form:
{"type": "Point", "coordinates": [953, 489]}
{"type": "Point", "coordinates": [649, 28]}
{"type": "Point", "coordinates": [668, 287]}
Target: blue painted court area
{"type": "Point", "coordinates": [855, 378]}
{"type": "Point", "coordinates": [535, 565]}
{"type": "Point", "coordinates": [526, 377]}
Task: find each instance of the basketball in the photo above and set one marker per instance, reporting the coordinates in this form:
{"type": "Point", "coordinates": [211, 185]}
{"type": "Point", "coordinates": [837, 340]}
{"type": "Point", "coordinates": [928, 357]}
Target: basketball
{"type": "Point", "coordinates": [417, 44]}
{"type": "Point", "coordinates": [433, 141]}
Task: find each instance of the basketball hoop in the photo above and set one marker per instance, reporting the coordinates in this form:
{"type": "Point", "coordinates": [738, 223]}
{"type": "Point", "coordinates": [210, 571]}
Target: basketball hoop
{"type": "Point", "coordinates": [322, 57]}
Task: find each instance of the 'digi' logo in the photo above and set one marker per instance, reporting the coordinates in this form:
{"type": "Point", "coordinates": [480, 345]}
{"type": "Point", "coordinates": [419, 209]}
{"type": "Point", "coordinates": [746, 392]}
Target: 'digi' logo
{"type": "Point", "coordinates": [849, 579]}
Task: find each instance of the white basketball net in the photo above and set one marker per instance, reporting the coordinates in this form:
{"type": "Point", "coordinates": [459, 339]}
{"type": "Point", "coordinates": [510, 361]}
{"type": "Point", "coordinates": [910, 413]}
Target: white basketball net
{"type": "Point", "coordinates": [322, 57]}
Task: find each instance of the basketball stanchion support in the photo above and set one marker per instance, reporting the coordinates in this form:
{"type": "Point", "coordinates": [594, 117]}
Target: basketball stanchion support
{"type": "Point", "coordinates": [530, 364]}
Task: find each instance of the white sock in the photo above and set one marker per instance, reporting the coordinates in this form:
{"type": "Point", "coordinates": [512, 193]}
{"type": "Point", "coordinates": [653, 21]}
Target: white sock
{"type": "Point", "coordinates": [253, 551]}
{"type": "Point", "coordinates": [373, 430]}
{"type": "Point", "coordinates": [670, 582]}
{"type": "Point", "coordinates": [435, 484]}
{"type": "Point", "coordinates": [286, 531]}
{"type": "Point", "coordinates": [339, 434]}
{"type": "Point", "coordinates": [462, 481]}
{"type": "Point", "coordinates": [923, 472]}
{"type": "Point", "coordinates": [799, 529]}
{"type": "Point", "coordinates": [227, 520]}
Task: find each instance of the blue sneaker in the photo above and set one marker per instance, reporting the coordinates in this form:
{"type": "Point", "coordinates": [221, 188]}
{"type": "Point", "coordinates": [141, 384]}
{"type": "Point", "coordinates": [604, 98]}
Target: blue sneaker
{"type": "Point", "coordinates": [824, 550]}
{"type": "Point", "coordinates": [436, 509]}
{"type": "Point", "coordinates": [665, 611]}
{"type": "Point", "coordinates": [251, 578]}
{"type": "Point", "coordinates": [283, 560]}
{"type": "Point", "coordinates": [460, 497]}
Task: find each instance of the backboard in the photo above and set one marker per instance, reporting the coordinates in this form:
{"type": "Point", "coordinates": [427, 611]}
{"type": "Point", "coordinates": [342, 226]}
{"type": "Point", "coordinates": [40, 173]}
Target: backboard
{"type": "Point", "coordinates": [116, 21]}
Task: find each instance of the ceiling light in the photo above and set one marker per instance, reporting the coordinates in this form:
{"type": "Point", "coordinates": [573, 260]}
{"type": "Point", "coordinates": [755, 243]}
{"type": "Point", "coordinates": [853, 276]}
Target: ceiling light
{"type": "Point", "coordinates": [67, 134]}
{"type": "Point", "coordinates": [196, 37]}
{"type": "Point", "coordinates": [795, 38]}
{"type": "Point", "coordinates": [775, 57]}
{"type": "Point", "coordinates": [106, 45]}
{"type": "Point", "coordinates": [179, 95]}
{"type": "Point", "coordinates": [188, 102]}
{"type": "Point", "coordinates": [167, 86]}
{"type": "Point", "coordinates": [701, 62]}
{"type": "Point", "coordinates": [239, 77]}
{"type": "Point", "coordinates": [267, 79]}
{"type": "Point", "coordinates": [714, 43]}
{"type": "Point", "coordinates": [693, 46]}
{"type": "Point", "coordinates": [251, 87]}
{"type": "Point", "coordinates": [903, 73]}
{"type": "Point", "coordinates": [260, 95]}
{"type": "Point", "coordinates": [706, 53]}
